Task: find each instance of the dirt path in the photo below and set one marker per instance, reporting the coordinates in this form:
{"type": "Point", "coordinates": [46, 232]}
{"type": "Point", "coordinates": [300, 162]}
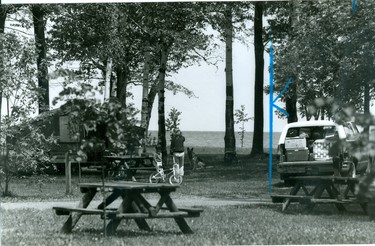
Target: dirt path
{"type": "Point", "coordinates": [185, 201]}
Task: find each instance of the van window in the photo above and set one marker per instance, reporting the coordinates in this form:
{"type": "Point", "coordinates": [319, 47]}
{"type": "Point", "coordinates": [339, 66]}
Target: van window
{"type": "Point", "coordinates": [314, 132]}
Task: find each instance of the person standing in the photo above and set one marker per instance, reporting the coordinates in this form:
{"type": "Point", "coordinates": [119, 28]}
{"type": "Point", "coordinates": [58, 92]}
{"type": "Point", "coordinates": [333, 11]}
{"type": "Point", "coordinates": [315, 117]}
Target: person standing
{"type": "Point", "coordinates": [158, 158]}
{"type": "Point", "coordinates": [178, 150]}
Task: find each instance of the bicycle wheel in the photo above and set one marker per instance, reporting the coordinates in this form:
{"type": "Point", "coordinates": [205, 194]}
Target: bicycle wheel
{"type": "Point", "coordinates": [175, 179]}
{"type": "Point", "coordinates": [155, 178]}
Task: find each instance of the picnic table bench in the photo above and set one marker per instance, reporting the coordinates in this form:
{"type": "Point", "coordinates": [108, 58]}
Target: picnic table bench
{"type": "Point", "coordinates": [321, 190]}
{"type": "Point", "coordinates": [133, 205]}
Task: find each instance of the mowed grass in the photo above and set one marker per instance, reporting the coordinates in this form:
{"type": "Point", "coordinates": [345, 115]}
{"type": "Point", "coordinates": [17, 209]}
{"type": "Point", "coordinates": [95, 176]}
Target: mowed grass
{"type": "Point", "coordinates": [224, 225]}
{"type": "Point", "coordinates": [247, 179]}
{"type": "Point", "coordinates": [229, 225]}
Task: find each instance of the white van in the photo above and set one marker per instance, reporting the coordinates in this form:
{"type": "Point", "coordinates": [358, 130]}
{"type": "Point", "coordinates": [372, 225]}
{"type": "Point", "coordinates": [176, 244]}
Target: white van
{"type": "Point", "coordinates": [310, 148]}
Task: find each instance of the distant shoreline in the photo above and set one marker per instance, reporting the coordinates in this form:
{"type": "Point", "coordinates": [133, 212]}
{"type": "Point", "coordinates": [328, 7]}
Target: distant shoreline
{"type": "Point", "coordinates": [212, 142]}
{"type": "Point", "coordinates": [266, 132]}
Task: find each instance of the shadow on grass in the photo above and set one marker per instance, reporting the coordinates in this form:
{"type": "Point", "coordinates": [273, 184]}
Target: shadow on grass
{"type": "Point", "coordinates": [129, 233]}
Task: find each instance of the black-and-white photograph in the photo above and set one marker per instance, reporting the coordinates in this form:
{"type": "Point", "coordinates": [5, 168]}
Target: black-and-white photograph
{"type": "Point", "coordinates": [187, 122]}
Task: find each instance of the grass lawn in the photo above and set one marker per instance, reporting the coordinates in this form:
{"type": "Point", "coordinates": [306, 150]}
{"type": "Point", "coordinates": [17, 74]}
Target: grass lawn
{"type": "Point", "coordinates": [241, 224]}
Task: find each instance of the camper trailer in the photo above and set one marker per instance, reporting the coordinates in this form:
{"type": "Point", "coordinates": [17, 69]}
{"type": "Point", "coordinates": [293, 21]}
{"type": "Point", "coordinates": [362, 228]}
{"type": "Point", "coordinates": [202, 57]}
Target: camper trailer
{"type": "Point", "coordinates": [59, 124]}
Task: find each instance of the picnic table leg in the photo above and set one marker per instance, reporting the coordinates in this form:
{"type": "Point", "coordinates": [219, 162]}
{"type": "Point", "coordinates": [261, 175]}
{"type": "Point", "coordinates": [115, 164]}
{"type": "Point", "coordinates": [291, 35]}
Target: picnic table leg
{"type": "Point", "coordinates": [307, 193]}
{"type": "Point", "coordinates": [293, 192]}
{"type": "Point", "coordinates": [111, 198]}
{"type": "Point", "coordinates": [364, 207]}
{"type": "Point", "coordinates": [333, 193]}
{"type": "Point", "coordinates": [316, 193]}
{"type": "Point", "coordinates": [124, 207]}
{"type": "Point", "coordinates": [141, 223]}
{"type": "Point", "coordinates": [161, 202]}
{"type": "Point", "coordinates": [181, 222]}
{"type": "Point", "coordinates": [350, 188]}
{"type": "Point", "coordinates": [75, 216]}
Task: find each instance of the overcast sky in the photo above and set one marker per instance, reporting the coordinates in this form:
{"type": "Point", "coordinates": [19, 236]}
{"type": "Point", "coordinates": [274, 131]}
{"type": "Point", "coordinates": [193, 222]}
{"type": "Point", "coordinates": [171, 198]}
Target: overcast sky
{"type": "Point", "coordinates": [207, 112]}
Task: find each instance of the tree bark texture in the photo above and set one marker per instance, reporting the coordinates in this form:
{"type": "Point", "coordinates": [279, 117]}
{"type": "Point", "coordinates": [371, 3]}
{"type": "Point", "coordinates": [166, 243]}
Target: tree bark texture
{"type": "Point", "coordinates": [145, 85]}
{"type": "Point", "coordinates": [229, 138]}
{"type": "Point", "coordinates": [161, 107]}
{"type": "Point", "coordinates": [291, 99]}
{"type": "Point", "coordinates": [122, 77]}
{"type": "Point", "coordinates": [3, 16]}
{"type": "Point", "coordinates": [291, 105]}
{"type": "Point", "coordinates": [41, 50]}
{"type": "Point", "coordinates": [257, 147]}
{"type": "Point", "coordinates": [366, 97]}
{"type": "Point", "coordinates": [107, 85]}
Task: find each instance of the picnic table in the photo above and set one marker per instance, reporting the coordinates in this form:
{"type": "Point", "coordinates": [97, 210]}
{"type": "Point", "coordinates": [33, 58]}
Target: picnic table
{"type": "Point", "coordinates": [321, 190]}
{"type": "Point", "coordinates": [129, 164]}
{"type": "Point", "coordinates": [133, 205]}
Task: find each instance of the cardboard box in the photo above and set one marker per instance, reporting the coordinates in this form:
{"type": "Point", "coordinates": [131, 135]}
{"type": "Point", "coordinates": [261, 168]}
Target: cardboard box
{"type": "Point", "coordinates": [321, 149]}
{"type": "Point", "coordinates": [297, 155]}
{"type": "Point", "coordinates": [295, 143]}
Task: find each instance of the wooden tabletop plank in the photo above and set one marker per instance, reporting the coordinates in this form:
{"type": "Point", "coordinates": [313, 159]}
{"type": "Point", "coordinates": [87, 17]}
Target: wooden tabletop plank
{"type": "Point", "coordinates": [128, 157]}
{"type": "Point", "coordinates": [129, 185]}
{"type": "Point", "coordinates": [325, 178]}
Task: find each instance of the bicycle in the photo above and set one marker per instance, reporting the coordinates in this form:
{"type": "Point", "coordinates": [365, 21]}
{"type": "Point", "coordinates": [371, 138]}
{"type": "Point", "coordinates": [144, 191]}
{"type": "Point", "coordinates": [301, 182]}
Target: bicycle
{"type": "Point", "coordinates": [173, 175]}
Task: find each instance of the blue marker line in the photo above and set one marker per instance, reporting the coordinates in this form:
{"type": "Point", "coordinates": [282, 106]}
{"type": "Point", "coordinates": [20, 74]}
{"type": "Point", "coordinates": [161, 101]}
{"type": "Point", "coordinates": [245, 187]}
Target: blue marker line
{"type": "Point", "coordinates": [282, 110]}
{"type": "Point", "coordinates": [284, 89]}
{"type": "Point", "coordinates": [354, 5]}
{"type": "Point", "coordinates": [273, 105]}
{"type": "Point", "coordinates": [271, 120]}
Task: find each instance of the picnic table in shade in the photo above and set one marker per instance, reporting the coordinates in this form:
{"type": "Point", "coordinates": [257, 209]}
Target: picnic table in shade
{"type": "Point", "coordinates": [133, 205]}
{"type": "Point", "coordinates": [130, 164]}
{"type": "Point", "coordinates": [335, 190]}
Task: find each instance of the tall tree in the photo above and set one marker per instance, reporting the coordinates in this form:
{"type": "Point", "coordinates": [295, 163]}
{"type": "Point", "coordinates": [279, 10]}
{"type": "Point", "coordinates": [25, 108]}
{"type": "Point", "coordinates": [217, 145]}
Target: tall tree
{"type": "Point", "coordinates": [39, 22]}
{"type": "Point", "coordinates": [291, 99]}
{"type": "Point", "coordinates": [257, 147]}
{"type": "Point", "coordinates": [228, 18]}
{"type": "Point", "coordinates": [3, 15]}
{"type": "Point", "coordinates": [164, 50]}
{"type": "Point", "coordinates": [229, 138]}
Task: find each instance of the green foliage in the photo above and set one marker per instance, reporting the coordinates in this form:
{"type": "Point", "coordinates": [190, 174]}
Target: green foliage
{"type": "Point", "coordinates": [23, 146]}
{"type": "Point", "coordinates": [241, 118]}
{"type": "Point", "coordinates": [99, 125]}
{"type": "Point", "coordinates": [173, 122]}
{"type": "Point", "coordinates": [326, 50]}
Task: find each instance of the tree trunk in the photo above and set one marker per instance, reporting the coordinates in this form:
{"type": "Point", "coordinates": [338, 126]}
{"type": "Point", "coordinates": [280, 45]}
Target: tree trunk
{"type": "Point", "coordinates": [291, 99]}
{"type": "Point", "coordinates": [229, 138]}
{"type": "Point", "coordinates": [257, 147]}
{"type": "Point", "coordinates": [107, 85]}
{"type": "Point", "coordinates": [151, 98]}
{"type": "Point", "coordinates": [161, 107]}
{"type": "Point", "coordinates": [41, 50]}
{"type": "Point", "coordinates": [3, 15]}
{"type": "Point", "coordinates": [366, 97]}
{"type": "Point", "coordinates": [291, 105]}
{"type": "Point", "coordinates": [145, 85]}
{"type": "Point", "coordinates": [7, 171]}
{"type": "Point", "coordinates": [121, 74]}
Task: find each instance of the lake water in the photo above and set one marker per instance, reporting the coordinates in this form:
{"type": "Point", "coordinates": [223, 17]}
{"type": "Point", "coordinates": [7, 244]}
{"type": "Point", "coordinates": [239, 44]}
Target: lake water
{"type": "Point", "coordinates": [204, 140]}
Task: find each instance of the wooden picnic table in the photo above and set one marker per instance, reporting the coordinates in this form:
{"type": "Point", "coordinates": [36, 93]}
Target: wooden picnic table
{"type": "Point", "coordinates": [321, 190]}
{"type": "Point", "coordinates": [133, 205]}
{"type": "Point", "coordinates": [130, 164]}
